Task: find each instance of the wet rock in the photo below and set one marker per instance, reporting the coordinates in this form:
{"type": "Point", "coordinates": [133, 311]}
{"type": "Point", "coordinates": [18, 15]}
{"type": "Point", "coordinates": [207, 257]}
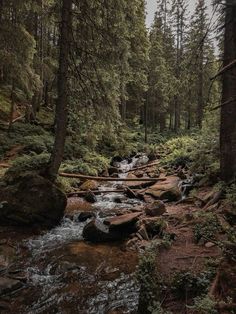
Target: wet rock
{"type": "Point", "coordinates": [122, 220]}
{"type": "Point", "coordinates": [89, 185]}
{"type": "Point", "coordinates": [8, 285]}
{"type": "Point", "coordinates": [113, 170]}
{"type": "Point", "coordinates": [157, 208]}
{"type": "Point", "coordinates": [113, 229]}
{"type": "Point", "coordinates": [90, 197]}
{"type": "Point", "coordinates": [117, 200]}
{"type": "Point", "coordinates": [136, 184]}
{"type": "Point", "coordinates": [166, 190]}
{"type": "Point", "coordinates": [30, 199]}
{"type": "Point", "coordinates": [77, 204]}
{"type": "Point", "coordinates": [83, 216]}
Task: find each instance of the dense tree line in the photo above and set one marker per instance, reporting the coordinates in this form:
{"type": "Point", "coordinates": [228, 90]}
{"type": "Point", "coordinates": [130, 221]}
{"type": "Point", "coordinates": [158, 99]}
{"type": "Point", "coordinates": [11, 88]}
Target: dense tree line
{"type": "Point", "coordinates": [96, 65]}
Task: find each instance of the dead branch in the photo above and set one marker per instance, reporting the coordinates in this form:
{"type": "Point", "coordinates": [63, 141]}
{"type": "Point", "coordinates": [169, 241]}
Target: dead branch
{"type": "Point", "coordinates": [97, 192]}
{"type": "Point", "coordinates": [229, 101]}
{"type": "Point", "coordinates": [226, 68]}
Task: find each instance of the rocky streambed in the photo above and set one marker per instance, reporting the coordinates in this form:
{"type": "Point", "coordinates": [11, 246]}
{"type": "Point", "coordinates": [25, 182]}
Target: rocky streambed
{"type": "Point", "coordinates": [57, 271]}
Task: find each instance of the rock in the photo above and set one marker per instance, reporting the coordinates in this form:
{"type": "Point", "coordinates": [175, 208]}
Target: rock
{"type": "Point", "coordinates": [90, 197]}
{"type": "Point", "coordinates": [30, 199]}
{"type": "Point", "coordinates": [8, 285]}
{"type": "Point", "coordinates": [89, 185]}
{"type": "Point", "coordinates": [122, 220]}
{"type": "Point", "coordinates": [113, 170]}
{"type": "Point", "coordinates": [83, 216]}
{"type": "Point", "coordinates": [136, 184]}
{"type": "Point", "coordinates": [157, 208]}
{"type": "Point", "coordinates": [113, 229]}
{"type": "Point", "coordinates": [209, 245]}
{"type": "Point", "coordinates": [166, 190]}
{"type": "Point", "coordinates": [117, 200]}
{"type": "Point", "coordinates": [77, 204]}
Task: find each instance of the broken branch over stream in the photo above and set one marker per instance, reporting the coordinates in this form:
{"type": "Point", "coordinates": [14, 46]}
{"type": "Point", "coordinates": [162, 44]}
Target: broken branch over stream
{"type": "Point", "coordinates": [110, 179]}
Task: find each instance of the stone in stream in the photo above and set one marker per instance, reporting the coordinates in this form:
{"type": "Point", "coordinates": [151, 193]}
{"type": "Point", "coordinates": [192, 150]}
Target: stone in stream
{"type": "Point", "coordinates": [137, 184]}
{"type": "Point", "coordinates": [89, 185]}
{"type": "Point", "coordinates": [157, 208]}
{"type": "Point", "coordinates": [166, 190]}
{"type": "Point", "coordinates": [112, 229]}
{"type": "Point", "coordinates": [8, 285]}
{"type": "Point", "coordinates": [83, 216]}
{"type": "Point", "coordinates": [90, 197]}
{"type": "Point", "coordinates": [30, 199]}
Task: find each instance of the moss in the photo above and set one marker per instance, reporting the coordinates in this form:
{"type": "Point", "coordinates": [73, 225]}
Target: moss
{"type": "Point", "coordinates": [5, 106]}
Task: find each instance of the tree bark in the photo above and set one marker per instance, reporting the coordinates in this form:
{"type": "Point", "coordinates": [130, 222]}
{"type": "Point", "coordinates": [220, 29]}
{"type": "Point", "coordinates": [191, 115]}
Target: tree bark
{"type": "Point", "coordinates": [228, 113]}
{"type": "Point", "coordinates": [61, 115]}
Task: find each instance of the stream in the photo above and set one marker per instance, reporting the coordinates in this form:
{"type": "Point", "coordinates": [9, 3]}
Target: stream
{"type": "Point", "coordinates": [64, 274]}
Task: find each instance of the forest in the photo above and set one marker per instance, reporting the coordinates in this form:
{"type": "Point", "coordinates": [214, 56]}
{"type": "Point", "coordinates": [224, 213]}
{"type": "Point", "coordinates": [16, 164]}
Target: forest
{"type": "Point", "coordinates": [117, 157]}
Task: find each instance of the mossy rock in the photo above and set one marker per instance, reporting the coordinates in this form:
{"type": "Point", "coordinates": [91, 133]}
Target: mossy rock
{"type": "Point", "coordinates": [31, 200]}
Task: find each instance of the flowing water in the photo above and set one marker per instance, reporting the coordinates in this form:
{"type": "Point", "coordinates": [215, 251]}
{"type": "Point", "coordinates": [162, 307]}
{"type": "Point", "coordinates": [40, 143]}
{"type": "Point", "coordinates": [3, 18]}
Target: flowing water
{"type": "Point", "coordinates": [64, 274]}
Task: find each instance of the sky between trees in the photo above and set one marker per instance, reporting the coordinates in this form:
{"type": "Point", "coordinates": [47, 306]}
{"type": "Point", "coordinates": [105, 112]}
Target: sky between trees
{"type": "Point", "coordinates": [152, 4]}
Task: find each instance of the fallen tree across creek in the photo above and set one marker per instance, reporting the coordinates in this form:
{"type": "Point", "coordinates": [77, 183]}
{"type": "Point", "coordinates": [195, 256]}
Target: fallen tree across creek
{"type": "Point", "coordinates": [80, 176]}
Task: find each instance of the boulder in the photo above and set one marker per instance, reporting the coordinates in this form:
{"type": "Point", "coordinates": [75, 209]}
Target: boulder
{"type": "Point", "coordinates": [166, 190]}
{"type": "Point", "coordinates": [112, 229]}
{"type": "Point", "coordinates": [123, 220]}
{"type": "Point", "coordinates": [83, 216]}
{"type": "Point", "coordinates": [30, 199]}
{"type": "Point", "coordinates": [137, 184]}
{"type": "Point", "coordinates": [157, 208]}
{"type": "Point", "coordinates": [89, 185]}
{"type": "Point", "coordinates": [90, 197]}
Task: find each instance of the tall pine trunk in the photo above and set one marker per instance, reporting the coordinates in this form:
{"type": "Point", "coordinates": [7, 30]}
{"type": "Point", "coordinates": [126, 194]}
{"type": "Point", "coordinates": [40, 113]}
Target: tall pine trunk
{"type": "Point", "coordinates": [228, 111]}
{"type": "Point", "coordinates": [61, 115]}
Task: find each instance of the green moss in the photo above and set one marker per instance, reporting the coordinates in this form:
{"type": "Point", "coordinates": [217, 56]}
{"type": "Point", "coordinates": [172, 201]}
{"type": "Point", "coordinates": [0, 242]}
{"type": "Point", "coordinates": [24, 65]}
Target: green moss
{"type": "Point", "coordinates": [5, 106]}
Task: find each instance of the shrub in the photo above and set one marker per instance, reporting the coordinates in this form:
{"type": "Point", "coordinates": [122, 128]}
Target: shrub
{"type": "Point", "coordinates": [186, 284]}
{"type": "Point", "coordinates": [204, 305]}
{"type": "Point", "coordinates": [178, 150]}
{"type": "Point", "coordinates": [148, 281]}
{"type": "Point", "coordinates": [28, 163]}
{"type": "Point", "coordinates": [206, 227]}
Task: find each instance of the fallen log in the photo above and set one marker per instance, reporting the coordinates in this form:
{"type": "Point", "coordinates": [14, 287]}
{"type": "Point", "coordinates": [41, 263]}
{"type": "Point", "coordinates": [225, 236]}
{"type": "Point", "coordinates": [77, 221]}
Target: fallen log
{"type": "Point", "coordinates": [96, 192]}
{"type": "Point", "coordinates": [80, 176]}
{"type": "Point", "coordinates": [144, 166]}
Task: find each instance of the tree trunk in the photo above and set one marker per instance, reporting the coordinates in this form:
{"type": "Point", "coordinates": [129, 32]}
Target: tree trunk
{"type": "Point", "coordinates": [228, 112]}
{"type": "Point", "coordinates": [61, 115]}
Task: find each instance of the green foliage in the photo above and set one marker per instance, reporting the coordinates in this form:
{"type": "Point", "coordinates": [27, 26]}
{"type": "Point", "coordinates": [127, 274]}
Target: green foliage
{"type": "Point", "coordinates": [156, 308]}
{"type": "Point", "coordinates": [37, 144]}
{"type": "Point", "coordinates": [90, 164]}
{"type": "Point", "coordinates": [231, 195]}
{"type": "Point", "coordinates": [147, 278]}
{"type": "Point", "coordinates": [187, 284]}
{"type": "Point", "coordinates": [178, 150]}
{"type": "Point", "coordinates": [204, 305]}
{"type": "Point", "coordinates": [67, 184]}
{"type": "Point", "coordinates": [28, 163]}
{"type": "Point", "coordinates": [206, 227]}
